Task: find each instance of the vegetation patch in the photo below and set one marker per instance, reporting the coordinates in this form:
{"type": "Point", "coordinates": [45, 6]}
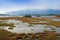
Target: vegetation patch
{"type": "Point", "coordinates": [7, 24]}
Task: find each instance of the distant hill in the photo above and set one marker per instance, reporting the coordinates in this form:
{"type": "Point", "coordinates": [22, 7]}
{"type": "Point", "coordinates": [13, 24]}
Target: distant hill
{"type": "Point", "coordinates": [3, 14]}
{"type": "Point", "coordinates": [35, 12]}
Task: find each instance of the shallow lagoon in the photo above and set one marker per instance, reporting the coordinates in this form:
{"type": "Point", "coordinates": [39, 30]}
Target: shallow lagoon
{"type": "Point", "coordinates": [25, 28]}
{"type": "Point", "coordinates": [21, 27]}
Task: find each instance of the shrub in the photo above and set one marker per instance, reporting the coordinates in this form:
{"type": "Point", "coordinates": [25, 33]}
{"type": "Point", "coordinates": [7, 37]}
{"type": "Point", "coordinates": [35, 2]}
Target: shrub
{"type": "Point", "coordinates": [27, 16]}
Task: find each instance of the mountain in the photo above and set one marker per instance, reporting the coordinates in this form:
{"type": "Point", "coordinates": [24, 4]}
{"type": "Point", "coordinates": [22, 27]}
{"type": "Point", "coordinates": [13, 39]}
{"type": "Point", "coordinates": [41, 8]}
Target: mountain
{"type": "Point", "coordinates": [35, 12]}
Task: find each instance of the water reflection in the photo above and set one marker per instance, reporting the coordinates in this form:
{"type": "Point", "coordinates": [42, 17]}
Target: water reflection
{"type": "Point", "coordinates": [31, 29]}
{"type": "Point", "coordinates": [21, 27]}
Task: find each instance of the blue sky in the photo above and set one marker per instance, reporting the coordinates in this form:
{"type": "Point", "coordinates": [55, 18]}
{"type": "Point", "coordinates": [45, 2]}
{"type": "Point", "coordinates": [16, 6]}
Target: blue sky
{"type": "Point", "coordinates": [15, 5]}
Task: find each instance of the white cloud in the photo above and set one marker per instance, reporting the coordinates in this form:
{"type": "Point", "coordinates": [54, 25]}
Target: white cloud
{"type": "Point", "coordinates": [36, 4]}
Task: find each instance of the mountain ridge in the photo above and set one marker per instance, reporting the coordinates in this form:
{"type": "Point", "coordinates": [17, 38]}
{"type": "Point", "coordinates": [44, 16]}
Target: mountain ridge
{"type": "Point", "coordinates": [42, 12]}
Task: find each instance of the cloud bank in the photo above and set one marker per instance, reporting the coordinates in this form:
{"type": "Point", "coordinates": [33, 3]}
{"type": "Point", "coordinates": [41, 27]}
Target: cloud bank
{"type": "Point", "coordinates": [14, 5]}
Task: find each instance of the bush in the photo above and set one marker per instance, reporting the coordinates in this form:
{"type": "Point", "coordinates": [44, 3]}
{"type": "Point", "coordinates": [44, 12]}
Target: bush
{"type": "Point", "coordinates": [27, 16]}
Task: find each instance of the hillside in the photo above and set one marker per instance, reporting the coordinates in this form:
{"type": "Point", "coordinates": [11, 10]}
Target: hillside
{"type": "Point", "coordinates": [35, 12]}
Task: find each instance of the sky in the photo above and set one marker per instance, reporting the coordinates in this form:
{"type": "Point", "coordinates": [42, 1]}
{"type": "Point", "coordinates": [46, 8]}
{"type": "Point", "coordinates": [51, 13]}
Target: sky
{"type": "Point", "coordinates": [15, 5]}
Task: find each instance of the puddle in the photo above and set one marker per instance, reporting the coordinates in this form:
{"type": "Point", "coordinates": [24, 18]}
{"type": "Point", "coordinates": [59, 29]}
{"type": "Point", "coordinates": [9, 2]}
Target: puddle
{"type": "Point", "coordinates": [21, 27]}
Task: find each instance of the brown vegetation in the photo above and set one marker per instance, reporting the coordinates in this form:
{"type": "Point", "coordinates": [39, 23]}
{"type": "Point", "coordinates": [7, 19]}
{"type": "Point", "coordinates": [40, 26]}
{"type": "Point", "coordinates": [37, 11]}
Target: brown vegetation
{"type": "Point", "coordinates": [6, 24]}
{"type": "Point", "coordinates": [5, 35]}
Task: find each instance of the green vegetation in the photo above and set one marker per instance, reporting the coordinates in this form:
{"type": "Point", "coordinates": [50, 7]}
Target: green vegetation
{"type": "Point", "coordinates": [46, 31]}
{"type": "Point", "coordinates": [27, 16]}
{"type": "Point", "coordinates": [10, 28]}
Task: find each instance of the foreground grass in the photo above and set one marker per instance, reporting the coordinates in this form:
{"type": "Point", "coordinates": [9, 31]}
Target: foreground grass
{"type": "Point", "coordinates": [6, 24]}
{"type": "Point", "coordinates": [4, 35]}
{"type": "Point", "coordinates": [31, 21]}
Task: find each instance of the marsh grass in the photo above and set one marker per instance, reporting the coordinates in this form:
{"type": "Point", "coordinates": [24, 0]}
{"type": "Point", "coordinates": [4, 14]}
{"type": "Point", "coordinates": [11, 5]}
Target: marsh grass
{"type": "Point", "coordinates": [7, 24]}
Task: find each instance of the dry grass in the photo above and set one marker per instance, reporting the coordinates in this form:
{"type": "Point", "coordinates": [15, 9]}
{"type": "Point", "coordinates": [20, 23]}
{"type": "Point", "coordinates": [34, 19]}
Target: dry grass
{"type": "Point", "coordinates": [6, 24]}
{"type": "Point", "coordinates": [34, 20]}
{"type": "Point", "coordinates": [5, 35]}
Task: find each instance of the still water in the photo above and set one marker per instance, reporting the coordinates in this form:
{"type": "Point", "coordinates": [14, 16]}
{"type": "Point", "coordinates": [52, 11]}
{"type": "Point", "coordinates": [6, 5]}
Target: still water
{"type": "Point", "coordinates": [25, 28]}
{"type": "Point", "coordinates": [21, 27]}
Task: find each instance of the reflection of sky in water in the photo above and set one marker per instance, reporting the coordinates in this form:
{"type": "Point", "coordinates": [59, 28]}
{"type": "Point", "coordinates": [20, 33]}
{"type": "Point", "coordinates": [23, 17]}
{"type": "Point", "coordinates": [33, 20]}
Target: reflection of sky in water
{"type": "Point", "coordinates": [56, 19]}
{"type": "Point", "coordinates": [24, 28]}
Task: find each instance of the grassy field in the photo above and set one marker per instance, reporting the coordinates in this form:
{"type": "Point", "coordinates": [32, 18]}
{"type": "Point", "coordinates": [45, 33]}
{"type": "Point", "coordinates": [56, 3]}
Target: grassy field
{"type": "Point", "coordinates": [31, 21]}
{"type": "Point", "coordinates": [5, 35]}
